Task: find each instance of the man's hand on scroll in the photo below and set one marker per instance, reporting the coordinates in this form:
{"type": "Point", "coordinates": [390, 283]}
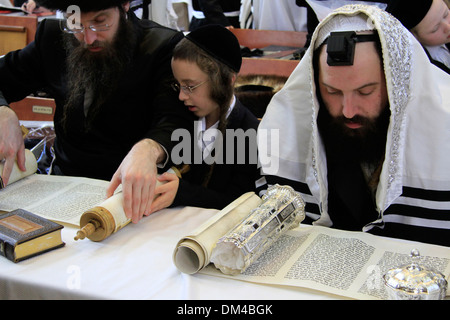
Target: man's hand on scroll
{"type": "Point", "coordinates": [137, 174]}
{"type": "Point", "coordinates": [11, 142]}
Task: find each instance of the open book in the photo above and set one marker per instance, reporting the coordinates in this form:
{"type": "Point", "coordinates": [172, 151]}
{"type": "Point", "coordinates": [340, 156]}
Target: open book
{"type": "Point", "coordinates": [348, 264]}
{"type": "Point", "coordinates": [58, 198]}
{"type": "Point", "coordinates": [61, 199]}
{"type": "Point", "coordinates": [7, 6]}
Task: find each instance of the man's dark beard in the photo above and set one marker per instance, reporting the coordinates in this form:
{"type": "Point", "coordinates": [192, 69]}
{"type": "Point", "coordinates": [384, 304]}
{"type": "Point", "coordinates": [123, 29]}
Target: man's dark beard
{"type": "Point", "coordinates": [96, 73]}
{"type": "Point", "coordinates": [366, 144]}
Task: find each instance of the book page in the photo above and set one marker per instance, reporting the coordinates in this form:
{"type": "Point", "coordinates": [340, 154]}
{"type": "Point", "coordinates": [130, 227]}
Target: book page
{"type": "Point", "coordinates": [349, 264]}
{"type": "Point", "coordinates": [57, 198]}
{"type": "Point", "coordinates": [6, 5]}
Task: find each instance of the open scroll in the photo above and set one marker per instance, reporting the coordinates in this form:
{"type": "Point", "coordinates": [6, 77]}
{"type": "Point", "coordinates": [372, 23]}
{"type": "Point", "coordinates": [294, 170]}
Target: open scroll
{"type": "Point", "coordinates": [238, 234]}
{"type": "Point", "coordinates": [193, 252]}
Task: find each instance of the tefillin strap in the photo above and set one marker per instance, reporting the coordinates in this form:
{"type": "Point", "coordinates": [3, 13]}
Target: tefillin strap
{"type": "Point", "coordinates": [341, 46]}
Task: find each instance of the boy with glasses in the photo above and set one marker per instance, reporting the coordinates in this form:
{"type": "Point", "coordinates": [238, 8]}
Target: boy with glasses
{"type": "Point", "coordinates": [220, 150]}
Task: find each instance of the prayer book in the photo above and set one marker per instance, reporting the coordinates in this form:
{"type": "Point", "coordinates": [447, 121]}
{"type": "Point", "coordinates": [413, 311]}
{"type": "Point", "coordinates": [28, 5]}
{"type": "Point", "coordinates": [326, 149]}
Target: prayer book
{"type": "Point", "coordinates": [24, 235]}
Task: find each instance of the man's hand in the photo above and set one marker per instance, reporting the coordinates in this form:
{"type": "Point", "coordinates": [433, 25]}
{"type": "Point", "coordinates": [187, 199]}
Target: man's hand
{"type": "Point", "coordinates": [137, 174]}
{"type": "Point", "coordinates": [30, 6]}
{"type": "Point", "coordinates": [11, 142]}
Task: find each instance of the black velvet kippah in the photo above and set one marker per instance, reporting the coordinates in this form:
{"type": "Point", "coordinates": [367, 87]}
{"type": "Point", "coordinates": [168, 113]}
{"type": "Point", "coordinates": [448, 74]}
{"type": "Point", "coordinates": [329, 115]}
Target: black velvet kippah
{"type": "Point", "coordinates": [220, 43]}
{"type": "Point", "coordinates": [409, 12]}
{"type": "Point", "coordinates": [85, 5]}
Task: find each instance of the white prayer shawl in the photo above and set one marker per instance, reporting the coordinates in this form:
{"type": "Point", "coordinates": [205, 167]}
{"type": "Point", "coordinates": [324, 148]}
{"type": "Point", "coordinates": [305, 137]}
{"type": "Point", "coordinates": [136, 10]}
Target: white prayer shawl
{"type": "Point", "coordinates": [417, 155]}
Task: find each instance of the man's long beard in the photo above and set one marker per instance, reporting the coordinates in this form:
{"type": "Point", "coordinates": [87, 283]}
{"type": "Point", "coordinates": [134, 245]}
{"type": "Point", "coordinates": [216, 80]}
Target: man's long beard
{"type": "Point", "coordinates": [93, 76]}
{"type": "Point", "coordinates": [367, 144]}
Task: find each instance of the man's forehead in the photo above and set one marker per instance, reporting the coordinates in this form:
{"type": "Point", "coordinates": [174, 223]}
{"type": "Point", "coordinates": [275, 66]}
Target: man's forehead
{"type": "Point", "coordinates": [365, 69]}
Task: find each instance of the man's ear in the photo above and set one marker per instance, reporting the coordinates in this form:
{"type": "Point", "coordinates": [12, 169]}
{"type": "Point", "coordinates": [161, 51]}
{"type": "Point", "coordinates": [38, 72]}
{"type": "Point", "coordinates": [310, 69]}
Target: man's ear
{"type": "Point", "coordinates": [234, 78]}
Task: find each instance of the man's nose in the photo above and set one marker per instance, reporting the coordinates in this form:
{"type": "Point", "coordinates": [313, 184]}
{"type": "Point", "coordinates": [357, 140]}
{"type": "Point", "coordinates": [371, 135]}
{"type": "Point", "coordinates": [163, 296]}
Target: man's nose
{"type": "Point", "coordinates": [89, 36]}
{"type": "Point", "coordinates": [349, 108]}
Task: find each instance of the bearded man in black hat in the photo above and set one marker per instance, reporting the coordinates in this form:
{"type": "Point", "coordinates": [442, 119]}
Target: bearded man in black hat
{"type": "Point", "coordinates": [110, 76]}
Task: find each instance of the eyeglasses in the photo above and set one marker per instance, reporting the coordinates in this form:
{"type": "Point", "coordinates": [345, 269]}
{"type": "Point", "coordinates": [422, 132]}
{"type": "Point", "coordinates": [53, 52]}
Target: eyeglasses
{"type": "Point", "coordinates": [186, 89]}
{"type": "Point", "coordinates": [94, 27]}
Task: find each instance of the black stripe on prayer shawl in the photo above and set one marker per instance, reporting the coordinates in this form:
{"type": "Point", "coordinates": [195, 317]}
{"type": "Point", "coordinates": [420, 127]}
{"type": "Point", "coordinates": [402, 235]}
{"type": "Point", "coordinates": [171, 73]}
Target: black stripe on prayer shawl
{"type": "Point", "coordinates": [416, 222]}
{"type": "Point", "coordinates": [432, 195]}
{"type": "Point", "coordinates": [418, 212]}
{"type": "Point", "coordinates": [298, 186]}
{"type": "Point", "coordinates": [414, 233]}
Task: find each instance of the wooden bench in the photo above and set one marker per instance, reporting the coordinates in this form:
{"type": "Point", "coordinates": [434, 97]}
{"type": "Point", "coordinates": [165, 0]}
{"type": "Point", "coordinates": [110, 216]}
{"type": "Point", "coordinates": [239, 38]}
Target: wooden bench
{"type": "Point", "coordinates": [261, 66]}
{"type": "Point", "coordinates": [265, 72]}
{"type": "Point", "coordinates": [16, 31]}
{"type": "Point", "coordinates": [252, 38]}
{"type": "Point", "coordinates": [12, 38]}
{"type": "Point", "coordinates": [257, 39]}
{"type": "Point", "coordinates": [34, 109]}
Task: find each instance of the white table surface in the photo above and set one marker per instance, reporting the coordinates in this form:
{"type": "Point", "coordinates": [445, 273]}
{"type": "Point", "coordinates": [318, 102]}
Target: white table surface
{"type": "Point", "coordinates": [134, 263]}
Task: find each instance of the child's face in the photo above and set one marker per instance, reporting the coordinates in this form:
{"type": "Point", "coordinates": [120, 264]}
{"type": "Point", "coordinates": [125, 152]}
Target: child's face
{"type": "Point", "coordinates": [434, 29]}
{"type": "Point", "coordinates": [199, 101]}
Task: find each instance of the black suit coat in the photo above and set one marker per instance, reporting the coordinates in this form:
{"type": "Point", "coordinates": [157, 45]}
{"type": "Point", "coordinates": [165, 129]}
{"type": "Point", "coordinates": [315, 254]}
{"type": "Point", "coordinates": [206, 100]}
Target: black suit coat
{"type": "Point", "coordinates": [214, 13]}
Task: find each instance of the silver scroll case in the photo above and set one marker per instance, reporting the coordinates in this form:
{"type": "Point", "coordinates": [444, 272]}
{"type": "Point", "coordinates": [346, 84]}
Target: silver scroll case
{"type": "Point", "coordinates": [281, 209]}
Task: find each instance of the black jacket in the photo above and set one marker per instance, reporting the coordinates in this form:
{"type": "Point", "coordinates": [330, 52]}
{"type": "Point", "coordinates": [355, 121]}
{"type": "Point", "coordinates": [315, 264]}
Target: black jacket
{"type": "Point", "coordinates": [144, 107]}
{"type": "Point", "coordinates": [214, 13]}
{"type": "Point", "coordinates": [228, 181]}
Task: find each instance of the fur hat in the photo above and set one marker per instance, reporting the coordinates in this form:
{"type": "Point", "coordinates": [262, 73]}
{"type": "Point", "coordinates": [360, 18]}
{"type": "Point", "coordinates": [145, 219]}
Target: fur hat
{"type": "Point", "coordinates": [85, 5]}
{"type": "Point", "coordinates": [220, 43]}
{"type": "Point", "coordinates": [409, 12]}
